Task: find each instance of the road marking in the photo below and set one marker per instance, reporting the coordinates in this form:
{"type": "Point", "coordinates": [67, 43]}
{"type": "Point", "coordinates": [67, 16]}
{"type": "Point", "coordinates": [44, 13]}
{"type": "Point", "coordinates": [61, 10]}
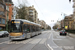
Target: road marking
{"type": "Point", "coordinates": [49, 36]}
{"type": "Point", "coordinates": [42, 41]}
{"type": "Point", "coordinates": [55, 43]}
{"type": "Point", "coordinates": [50, 47]}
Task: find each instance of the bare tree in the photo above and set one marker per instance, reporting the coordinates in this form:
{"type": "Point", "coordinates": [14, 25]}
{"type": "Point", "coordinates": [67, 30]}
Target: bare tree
{"type": "Point", "coordinates": [22, 11]}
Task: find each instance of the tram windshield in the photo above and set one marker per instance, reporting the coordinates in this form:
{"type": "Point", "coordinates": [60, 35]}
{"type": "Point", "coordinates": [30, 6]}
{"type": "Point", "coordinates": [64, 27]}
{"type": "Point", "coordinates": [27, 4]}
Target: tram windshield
{"type": "Point", "coordinates": [16, 26]}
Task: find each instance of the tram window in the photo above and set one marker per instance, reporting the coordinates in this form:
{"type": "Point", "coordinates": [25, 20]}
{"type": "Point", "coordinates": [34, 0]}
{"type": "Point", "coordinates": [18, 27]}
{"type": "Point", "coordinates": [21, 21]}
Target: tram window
{"type": "Point", "coordinates": [28, 28]}
{"type": "Point", "coordinates": [24, 28]}
{"type": "Point", "coordinates": [31, 28]}
{"type": "Point", "coordinates": [36, 28]}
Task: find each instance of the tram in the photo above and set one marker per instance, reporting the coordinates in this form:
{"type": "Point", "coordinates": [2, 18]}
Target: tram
{"type": "Point", "coordinates": [21, 29]}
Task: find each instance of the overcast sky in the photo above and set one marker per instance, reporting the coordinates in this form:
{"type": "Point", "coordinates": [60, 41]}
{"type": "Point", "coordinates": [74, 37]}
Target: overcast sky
{"type": "Point", "coordinates": [50, 9]}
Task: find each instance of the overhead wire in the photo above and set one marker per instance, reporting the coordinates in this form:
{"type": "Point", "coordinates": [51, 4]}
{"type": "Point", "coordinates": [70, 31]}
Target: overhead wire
{"type": "Point", "coordinates": [38, 8]}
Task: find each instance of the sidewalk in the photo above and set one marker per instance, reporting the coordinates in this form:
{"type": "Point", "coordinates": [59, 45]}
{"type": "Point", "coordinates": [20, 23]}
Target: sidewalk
{"type": "Point", "coordinates": [71, 35]}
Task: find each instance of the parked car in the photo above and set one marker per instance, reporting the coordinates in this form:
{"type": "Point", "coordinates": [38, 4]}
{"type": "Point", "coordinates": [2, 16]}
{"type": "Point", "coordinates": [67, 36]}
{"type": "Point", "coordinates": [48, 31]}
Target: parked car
{"type": "Point", "coordinates": [63, 32]}
{"type": "Point", "coordinates": [3, 33]}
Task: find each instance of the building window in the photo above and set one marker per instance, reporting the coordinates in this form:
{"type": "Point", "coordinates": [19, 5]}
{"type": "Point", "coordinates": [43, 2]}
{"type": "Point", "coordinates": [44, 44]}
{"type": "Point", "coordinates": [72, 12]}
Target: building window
{"type": "Point", "coordinates": [1, 6]}
{"type": "Point", "coordinates": [8, 0]}
{"type": "Point", "coordinates": [2, 13]}
{"type": "Point", "coordinates": [3, 21]}
{"type": "Point", "coordinates": [31, 16]}
{"type": "Point", "coordinates": [0, 20]}
{"type": "Point", "coordinates": [0, 28]}
{"type": "Point", "coordinates": [7, 8]}
{"type": "Point", "coordinates": [30, 13]}
{"type": "Point", "coordinates": [30, 10]}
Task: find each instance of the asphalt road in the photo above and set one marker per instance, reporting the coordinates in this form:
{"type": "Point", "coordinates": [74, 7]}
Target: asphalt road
{"type": "Point", "coordinates": [48, 40]}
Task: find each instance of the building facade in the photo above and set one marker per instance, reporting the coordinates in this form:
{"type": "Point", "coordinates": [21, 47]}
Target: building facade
{"type": "Point", "coordinates": [43, 24]}
{"type": "Point", "coordinates": [69, 22]}
{"type": "Point", "coordinates": [32, 14]}
{"type": "Point", "coordinates": [9, 8]}
{"type": "Point", "coordinates": [74, 13]}
{"type": "Point", "coordinates": [2, 15]}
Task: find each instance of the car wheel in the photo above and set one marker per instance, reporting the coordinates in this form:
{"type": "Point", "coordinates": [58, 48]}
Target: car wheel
{"type": "Point", "coordinates": [60, 33]}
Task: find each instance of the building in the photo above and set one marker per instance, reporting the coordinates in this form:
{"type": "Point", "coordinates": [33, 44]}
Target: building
{"type": "Point", "coordinates": [43, 24]}
{"type": "Point", "coordinates": [74, 13]}
{"type": "Point", "coordinates": [2, 15]}
{"type": "Point", "coordinates": [38, 21]}
{"type": "Point", "coordinates": [73, 0]}
{"type": "Point", "coordinates": [69, 22]}
{"type": "Point", "coordinates": [9, 7]}
{"type": "Point", "coordinates": [33, 14]}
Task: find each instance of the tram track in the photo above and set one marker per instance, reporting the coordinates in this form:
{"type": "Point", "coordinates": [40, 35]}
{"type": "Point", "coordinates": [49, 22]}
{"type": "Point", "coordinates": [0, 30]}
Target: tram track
{"type": "Point", "coordinates": [25, 43]}
{"type": "Point", "coordinates": [34, 45]}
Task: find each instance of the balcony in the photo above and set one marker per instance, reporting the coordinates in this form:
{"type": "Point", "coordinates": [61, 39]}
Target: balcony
{"type": "Point", "coordinates": [2, 6]}
{"type": "Point", "coordinates": [30, 10]}
{"type": "Point", "coordinates": [30, 13]}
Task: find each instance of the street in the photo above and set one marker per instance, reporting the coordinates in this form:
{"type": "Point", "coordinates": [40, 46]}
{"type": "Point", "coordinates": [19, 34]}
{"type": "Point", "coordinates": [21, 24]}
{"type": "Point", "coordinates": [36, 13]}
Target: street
{"type": "Point", "coordinates": [48, 40]}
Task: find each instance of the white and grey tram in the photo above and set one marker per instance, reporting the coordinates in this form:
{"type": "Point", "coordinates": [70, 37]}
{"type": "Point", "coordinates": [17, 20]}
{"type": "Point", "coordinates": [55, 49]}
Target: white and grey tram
{"type": "Point", "coordinates": [21, 29]}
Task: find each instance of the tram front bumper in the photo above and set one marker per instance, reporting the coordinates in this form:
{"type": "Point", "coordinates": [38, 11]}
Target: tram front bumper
{"type": "Point", "coordinates": [16, 37]}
